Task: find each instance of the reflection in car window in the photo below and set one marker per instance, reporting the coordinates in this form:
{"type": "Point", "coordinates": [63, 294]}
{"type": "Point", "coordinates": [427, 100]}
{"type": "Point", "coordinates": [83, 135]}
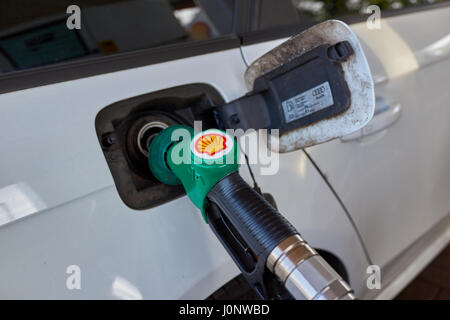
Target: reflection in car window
{"type": "Point", "coordinates": [318, 10]}
{"type": "Point", "coordinates": [35, 33]}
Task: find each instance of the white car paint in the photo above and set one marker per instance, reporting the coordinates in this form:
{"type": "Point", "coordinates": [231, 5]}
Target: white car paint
{"type": "Point", "coordinates": [397, 182]}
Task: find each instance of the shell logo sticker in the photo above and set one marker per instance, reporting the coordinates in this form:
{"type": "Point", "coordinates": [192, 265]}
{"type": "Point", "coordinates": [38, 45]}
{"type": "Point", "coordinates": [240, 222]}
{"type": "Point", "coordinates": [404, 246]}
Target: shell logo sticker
{"type": "Point", "coordinates": [211, 144]}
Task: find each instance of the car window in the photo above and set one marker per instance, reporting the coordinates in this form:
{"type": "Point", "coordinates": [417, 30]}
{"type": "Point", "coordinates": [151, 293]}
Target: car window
{"type": "Point", "coordinates": [318, 10]}
{"type": "Point", "coordinates": [39, 33]}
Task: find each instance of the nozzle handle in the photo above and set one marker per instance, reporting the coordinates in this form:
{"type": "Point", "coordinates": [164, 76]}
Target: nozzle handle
{"type": "Point", "coordinates": [261, 226]}
{"type": "Point", "coordinates": [266, 247]}
{"type": "Point", "coordinates": [249, 228]}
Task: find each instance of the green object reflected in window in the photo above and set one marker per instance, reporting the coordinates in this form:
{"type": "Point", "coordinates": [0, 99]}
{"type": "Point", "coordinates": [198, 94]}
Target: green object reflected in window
{"type": "Point", "coordinates": [44, 45]}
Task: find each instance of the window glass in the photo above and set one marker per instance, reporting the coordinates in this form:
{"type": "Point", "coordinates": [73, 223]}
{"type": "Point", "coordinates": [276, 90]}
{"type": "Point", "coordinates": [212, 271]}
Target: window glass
{"type": "Point", "coordinates": [271, 14]}
{"type": "Point", "coordinates": [36, 33]}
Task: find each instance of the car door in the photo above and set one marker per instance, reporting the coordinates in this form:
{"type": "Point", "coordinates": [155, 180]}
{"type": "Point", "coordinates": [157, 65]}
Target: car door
{"type": "Point", "coordinates": [393, 175]}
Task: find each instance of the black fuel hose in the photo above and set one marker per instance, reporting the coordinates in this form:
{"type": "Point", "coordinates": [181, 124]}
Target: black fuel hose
{"type": "Point", "coordinates": [260, 240]}
{"type": "Point", "coordinates": [260, 225]}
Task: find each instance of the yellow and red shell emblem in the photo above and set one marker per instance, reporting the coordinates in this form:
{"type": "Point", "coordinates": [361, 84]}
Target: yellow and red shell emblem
{"type": "Point", "coordinates": [211, 144]}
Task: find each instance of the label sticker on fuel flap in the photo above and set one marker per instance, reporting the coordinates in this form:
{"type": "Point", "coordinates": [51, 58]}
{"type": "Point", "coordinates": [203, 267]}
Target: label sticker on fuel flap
{"type": "Point", "coordinates": [308, 102]}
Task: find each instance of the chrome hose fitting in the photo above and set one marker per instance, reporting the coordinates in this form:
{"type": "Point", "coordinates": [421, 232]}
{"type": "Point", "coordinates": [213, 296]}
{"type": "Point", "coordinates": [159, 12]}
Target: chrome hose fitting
{"type": "Point", "coordinates": [304, 273]}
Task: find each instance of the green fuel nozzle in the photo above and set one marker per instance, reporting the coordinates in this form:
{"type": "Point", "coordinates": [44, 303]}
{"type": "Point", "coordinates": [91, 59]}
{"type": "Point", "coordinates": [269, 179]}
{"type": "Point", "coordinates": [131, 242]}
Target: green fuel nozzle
{"type": "Point", "coordinates": [273, 257]}
{"type": "Point", "coordinates": [178, 155]}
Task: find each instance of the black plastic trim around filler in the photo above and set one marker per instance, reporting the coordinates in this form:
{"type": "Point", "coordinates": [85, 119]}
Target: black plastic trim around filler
{"type": "Point", "coordinates": [117, 126]}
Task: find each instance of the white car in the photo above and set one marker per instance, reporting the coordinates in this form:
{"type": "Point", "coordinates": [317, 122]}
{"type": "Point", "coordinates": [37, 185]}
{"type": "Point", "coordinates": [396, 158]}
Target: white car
{"type": "Point", "coordinates": [378, 197]}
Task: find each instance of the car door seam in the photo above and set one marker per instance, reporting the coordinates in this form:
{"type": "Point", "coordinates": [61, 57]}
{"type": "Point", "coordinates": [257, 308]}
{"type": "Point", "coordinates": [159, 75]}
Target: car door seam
{"type": "Point", "coordinates": [344, 208]}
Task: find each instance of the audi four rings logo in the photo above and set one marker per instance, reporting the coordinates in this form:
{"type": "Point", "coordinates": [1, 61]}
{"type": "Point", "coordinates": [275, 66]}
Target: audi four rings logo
{"type": "Point", "coordinates": [318, 91]}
